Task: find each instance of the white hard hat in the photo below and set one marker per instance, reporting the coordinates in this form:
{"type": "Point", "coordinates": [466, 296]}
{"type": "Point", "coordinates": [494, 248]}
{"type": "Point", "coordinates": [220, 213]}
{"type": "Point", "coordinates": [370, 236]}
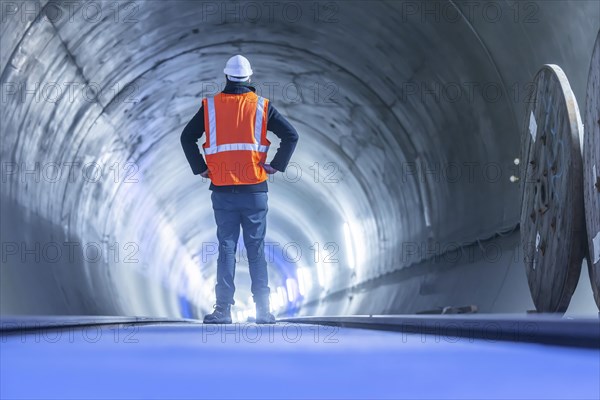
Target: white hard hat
{"type": "Point", "coordinates": [238, 66]}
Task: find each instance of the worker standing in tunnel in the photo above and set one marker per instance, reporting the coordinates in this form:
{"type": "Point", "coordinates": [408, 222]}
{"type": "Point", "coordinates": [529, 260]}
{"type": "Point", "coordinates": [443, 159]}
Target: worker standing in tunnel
{"type": "Point", "coordinates": [236, 123]}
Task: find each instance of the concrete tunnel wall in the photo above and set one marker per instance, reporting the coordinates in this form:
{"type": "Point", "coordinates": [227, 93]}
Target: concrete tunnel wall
{"type": "Point", "coordinates": [132, 232]}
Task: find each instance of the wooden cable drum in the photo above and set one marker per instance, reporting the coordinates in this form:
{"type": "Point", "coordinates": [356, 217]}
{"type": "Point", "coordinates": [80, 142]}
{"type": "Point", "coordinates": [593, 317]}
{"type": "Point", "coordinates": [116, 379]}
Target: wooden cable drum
{"type": "Point", "coordinates": [591, 170]}
{"type": "Point", "coordinates": [552, 216]}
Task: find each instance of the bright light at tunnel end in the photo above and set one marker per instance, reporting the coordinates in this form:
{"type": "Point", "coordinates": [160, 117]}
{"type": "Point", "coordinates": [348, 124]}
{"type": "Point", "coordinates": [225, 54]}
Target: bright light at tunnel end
{"type": "Point", "coordinates": [304, 280]}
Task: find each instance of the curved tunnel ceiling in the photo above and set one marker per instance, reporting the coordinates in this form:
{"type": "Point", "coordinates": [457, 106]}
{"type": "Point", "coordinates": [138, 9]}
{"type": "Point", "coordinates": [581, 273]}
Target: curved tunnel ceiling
{"type": "Point", "coordinates": [408, 128]}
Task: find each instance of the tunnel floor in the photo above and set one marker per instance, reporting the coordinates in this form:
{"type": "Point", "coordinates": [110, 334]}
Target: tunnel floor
{"type": "Point", "coordinates": [287, 360]}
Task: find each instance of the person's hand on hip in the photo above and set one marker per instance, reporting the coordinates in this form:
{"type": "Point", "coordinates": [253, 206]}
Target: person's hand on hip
{"type": "Point", "coordinates": [270, 170]}
{"type": "Point", "coordinates": [204, 174]}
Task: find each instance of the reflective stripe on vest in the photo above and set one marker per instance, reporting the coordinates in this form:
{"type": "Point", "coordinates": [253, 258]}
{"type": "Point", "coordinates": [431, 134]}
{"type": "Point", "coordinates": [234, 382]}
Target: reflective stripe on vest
{"type": "Point", "coordinates": [236, 146]}
{"type": "Point", "coordinates": [212, 131]}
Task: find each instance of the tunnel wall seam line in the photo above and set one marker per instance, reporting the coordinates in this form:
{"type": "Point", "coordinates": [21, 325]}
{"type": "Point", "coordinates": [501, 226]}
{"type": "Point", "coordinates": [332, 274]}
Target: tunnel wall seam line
{"type": "Point", "coordinates": [489, 55]}
{"type": "Point", "coordinates": [72, 58]}
{"type": "Point", "coordinates": [559, 332]}
{"type": "Point", "coordinates": [360, 286]}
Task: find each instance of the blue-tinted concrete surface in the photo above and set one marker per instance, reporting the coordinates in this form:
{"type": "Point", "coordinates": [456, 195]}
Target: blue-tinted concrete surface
{"type": "Point", "coordinates": [285, 361]}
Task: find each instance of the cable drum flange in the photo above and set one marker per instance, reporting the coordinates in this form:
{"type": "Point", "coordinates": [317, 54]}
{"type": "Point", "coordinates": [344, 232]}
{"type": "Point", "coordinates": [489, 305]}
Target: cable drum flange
{"type": "Point", "coordinates": [591, 170]}
{"type": "Point", "coordinates": [552, 216]}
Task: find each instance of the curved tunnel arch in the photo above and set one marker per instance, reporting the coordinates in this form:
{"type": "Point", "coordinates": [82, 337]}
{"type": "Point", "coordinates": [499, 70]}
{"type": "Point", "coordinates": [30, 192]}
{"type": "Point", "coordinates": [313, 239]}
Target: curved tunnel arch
{"type": "Point", "coordinates": [388, 138]}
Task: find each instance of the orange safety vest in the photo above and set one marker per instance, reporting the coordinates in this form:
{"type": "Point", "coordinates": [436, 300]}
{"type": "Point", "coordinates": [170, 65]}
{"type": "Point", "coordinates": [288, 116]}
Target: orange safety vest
{"type": "Point", "coordinates": [236, 138]}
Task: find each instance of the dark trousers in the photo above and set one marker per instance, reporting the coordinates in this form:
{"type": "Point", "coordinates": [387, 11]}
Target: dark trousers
{"type": "Point", "coordinates": [248, 211]}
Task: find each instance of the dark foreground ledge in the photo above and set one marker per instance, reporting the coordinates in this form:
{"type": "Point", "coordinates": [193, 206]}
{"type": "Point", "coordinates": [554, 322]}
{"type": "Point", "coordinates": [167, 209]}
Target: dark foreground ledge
{"type": "Point", "coordinates": [18, 323]}
{"type": "Point", "coordinates": [530, 328]}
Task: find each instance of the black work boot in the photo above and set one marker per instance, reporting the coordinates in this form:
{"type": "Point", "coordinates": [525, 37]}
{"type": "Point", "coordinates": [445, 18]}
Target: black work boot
{"type": "Point", "coordinates": [221, 315]}
{"type": "Point", "coordinates": [263, 314]}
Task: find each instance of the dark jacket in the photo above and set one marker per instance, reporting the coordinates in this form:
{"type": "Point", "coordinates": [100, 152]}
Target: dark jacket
{"type": "Point", "coordinates": [276, 123]}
